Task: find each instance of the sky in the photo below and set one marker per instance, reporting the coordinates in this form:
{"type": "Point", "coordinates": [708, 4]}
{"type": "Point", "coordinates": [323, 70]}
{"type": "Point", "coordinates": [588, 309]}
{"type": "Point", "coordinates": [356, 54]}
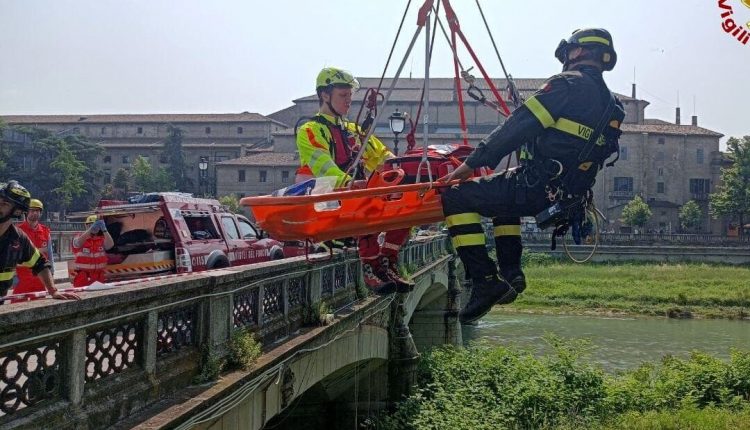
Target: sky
{"type": "Point", "coordinates": [219, 56]}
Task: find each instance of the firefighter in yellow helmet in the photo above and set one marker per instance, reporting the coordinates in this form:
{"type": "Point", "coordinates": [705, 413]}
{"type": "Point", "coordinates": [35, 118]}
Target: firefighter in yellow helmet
{"type": "Point", "coordinates": [573, 123]}
{"type": "Point", "coordinates": [328, 145]}
{"type": "Point", "coordinates": [16, 248]}
{"type": "Point", "coordinates": [39, 234]}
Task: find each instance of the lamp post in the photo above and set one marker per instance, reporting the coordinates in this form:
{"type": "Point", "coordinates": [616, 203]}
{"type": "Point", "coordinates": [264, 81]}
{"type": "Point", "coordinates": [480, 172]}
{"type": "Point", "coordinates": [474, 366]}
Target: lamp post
{"type": "Point", "coordinates": [203, 168]}
{"type": "Point", "coordinates": [397, 121]}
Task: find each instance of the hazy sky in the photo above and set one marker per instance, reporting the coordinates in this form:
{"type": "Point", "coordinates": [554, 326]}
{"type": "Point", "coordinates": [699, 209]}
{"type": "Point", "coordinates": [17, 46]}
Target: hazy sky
{"type": "Point", "coordinates": [154, 56]}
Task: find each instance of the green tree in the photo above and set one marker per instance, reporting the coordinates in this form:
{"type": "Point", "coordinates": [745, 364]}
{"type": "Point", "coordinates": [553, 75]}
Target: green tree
{"type": "Point", "coordinates": [231, 202]}
{"type": "Point", "coordinates": [120, 184]}
{"type": "Point", "coordinates": [145, 179]}
{"type": "Point", "coordinates": [636, 213]}
{"type": "Point", "coordinates": [732, 197]}
{"type": "Point", "coordinates": [176, 159]}
{"type": "Point", "coordinates": [691, 215]}
{"type": "Point", "coordinates": [142, 175]}
{"type": "Point", "coordinates": [70, 170]}
{"type": "Point", "coordinates": [42, 179]}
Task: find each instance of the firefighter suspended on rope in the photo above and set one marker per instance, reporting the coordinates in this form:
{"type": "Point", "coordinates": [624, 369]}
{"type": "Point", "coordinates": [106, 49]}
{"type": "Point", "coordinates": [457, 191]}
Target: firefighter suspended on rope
{"type": "Point", "coordinates": [573, 123]}
{"type": "Point", "coordinates": [328, 145]}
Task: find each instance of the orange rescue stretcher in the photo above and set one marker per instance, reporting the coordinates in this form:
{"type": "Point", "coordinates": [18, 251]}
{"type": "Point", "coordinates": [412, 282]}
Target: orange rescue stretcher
{"type": "Point", "coordinates": [379, 207]}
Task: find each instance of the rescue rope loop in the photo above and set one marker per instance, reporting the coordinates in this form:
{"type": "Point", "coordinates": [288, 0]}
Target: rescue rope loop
{"type": "Point", "coordinates": [592, 213]}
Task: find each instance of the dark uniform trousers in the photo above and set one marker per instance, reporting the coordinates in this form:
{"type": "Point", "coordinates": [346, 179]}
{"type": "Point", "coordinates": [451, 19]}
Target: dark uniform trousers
{"type": "Point", "coordinates": [504, 197]}
{"type": "Point", "coordinates": [560, 119]}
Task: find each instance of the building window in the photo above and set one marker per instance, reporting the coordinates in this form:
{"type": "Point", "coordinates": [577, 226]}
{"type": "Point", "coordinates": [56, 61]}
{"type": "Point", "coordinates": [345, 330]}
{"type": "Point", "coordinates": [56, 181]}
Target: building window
{"type": "Point", "coordinates": [107, 159]}
{"type": "Point", "coordinates": [660, 171]}
{"type": "Point", "coordinates": [263, 176]}
{"type": "Point", "coordinates": [624, 184]}
{"type": "Point", "coordinates": [107, 176]}
{"type": "Point", "coordinates": [699, 155]}
{"type": "Point", "coordinates": [660, 187]}
{"type": "Point", "coordinates": [700, 186]}
{"type": "Point", "coordinates": [241, 177]}
{"type": "Point", "coordinates": [208, 130]}
{"type": "Point", "coordinates": [661, 141]}
{"type": "Point", "coordinates": [163, 159]}
{"type": "Point", "coordinates": [239, 130]}
{"type": "Point", "coordinates": [659, 156]}
{"type": "Point", "coordinates": [104, 130]}
{"type": "Point", "coordinates": [623, 153]}
{"type": "Point", "coordinates": [284, 176]}
{"type": "Point", "coordinates": [125, 159]}
{"type": "Point", "coordinates": [663, 213]}
{"type": "Point", "coordinates": [140, 130]}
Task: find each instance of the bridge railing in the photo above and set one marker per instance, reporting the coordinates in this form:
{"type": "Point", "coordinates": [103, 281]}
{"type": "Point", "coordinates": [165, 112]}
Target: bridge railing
{"type": "Point", "coordinates": [116, 351]}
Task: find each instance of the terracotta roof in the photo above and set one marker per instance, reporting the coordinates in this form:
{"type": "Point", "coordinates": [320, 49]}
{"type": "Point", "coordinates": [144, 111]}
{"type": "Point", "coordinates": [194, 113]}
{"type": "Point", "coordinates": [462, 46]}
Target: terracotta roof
{"type": "Point", "coordinates": [136, 118]}
{"type": "Point", "coordinates": [280, 159]}
{"type": "Point", "coordinates": [662, 127]}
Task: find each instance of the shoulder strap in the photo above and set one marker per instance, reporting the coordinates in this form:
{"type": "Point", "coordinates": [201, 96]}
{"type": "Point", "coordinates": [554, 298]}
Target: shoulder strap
{"type": "Point", "coordinates": [599, 127]}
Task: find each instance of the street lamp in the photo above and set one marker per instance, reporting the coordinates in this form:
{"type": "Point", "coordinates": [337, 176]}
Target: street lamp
{"type": "Point", "coordinates": [397, 121]}
{"type": "Point", "coordinates": [203, 167]}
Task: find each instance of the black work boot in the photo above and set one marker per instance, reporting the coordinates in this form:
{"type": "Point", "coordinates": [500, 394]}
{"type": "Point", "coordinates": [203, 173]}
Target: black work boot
{"type": "Point", "coordinates": [484, 294]}
{"type": "Point", "coordinates": [390, 267]}
{"type": "Point", "coordinates": [376, 279]}
{"type": "Point", "coordinates": [515, 278]}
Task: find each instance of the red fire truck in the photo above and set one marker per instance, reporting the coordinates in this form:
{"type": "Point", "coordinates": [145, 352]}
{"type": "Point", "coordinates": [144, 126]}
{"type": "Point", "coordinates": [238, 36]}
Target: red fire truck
{"type": "Point", "coordinates": [161, 233]}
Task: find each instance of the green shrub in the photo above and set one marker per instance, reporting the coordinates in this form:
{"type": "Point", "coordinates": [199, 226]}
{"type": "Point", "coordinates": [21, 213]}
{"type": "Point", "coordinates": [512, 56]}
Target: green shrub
{"type": "Point", "coordinates": [211, 366]}
{"type": "Point", "coordinates": [483, 387]}
{"type": "Point", "coordinates": [244, 350]}
{"type": "Point", "coordinates": [529, 258]}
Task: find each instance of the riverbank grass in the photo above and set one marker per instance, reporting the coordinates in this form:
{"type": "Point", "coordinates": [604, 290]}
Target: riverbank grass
{"type": "Point", "coordinates": [670, 289]}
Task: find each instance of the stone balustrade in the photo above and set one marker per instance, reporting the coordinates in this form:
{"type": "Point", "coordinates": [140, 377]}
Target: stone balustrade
{"type": "Point", "coordinates": [91, 363]}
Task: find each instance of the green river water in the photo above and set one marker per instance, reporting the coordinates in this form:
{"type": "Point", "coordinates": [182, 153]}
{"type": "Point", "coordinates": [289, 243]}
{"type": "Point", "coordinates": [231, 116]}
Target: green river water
{"type": "Point", "coordinates": [619, 343]}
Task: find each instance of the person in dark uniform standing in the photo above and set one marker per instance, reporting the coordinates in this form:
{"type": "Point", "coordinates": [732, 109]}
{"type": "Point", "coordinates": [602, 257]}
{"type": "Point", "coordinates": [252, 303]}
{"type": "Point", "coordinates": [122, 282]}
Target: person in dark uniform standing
{"type": "Point", "coordinates": [568, 128]}
{"type": "Point", "coordinates": [15, 246]}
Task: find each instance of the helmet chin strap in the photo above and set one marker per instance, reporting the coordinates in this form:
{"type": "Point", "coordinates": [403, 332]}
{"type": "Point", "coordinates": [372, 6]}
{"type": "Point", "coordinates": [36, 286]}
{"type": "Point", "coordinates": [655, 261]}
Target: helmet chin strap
{"type": "Point", "coordinates": [330, 107]}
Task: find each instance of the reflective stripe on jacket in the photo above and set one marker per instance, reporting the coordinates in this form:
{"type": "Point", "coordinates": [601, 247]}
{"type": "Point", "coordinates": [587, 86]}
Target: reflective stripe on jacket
{"type": "Point", "coordinates": [317, 147]}
{"type": "Point", "coordinates": [91, 255]}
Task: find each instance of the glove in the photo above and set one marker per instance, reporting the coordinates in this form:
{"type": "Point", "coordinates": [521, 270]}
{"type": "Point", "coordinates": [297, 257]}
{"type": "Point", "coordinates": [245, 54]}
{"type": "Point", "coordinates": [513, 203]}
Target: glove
{"type": "Point", "coordinates": [102, 225]}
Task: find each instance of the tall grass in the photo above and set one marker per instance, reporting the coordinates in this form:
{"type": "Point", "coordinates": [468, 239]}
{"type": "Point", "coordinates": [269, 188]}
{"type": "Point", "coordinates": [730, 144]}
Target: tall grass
{"type": "Point", "coordinates": [713, 291]}
{"type": "Point", "coordinates": [485, 387]}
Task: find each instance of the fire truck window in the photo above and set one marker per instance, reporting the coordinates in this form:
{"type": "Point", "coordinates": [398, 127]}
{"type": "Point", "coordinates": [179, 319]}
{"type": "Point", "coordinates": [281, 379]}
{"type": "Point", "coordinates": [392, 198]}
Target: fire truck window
{"type": "Point", "coordinates": [248, 232]}
{"type": "Point", "coordinates": [229, 227]}
{"type": "Point", "coordinates": [161, 231]}
{"type": "Point", "coordinates": [201, 227]}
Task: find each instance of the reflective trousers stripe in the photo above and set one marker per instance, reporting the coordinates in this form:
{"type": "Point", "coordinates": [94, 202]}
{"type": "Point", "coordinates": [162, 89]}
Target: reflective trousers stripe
{"type": "Point", "coordinates": [472, 239]}
{"type": "Point", "coordinates": [463, 219]}
{"type": "Point", "coordinates": [507, 230]}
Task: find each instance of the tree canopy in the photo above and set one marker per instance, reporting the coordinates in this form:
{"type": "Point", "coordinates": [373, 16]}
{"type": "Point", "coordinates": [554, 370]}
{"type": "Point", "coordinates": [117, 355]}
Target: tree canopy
{"type": "Point", "coordinates": [147, 179]}
{"type": "Point", "coordinates": [636, 213]}
{"type": "Point", "coordinates": [176, 159]}
{"type": "Point", "coordinates": [691, 215]}
{"type": "Point", "coordinates": [732, 197]}
{"type": "Point", "coordinates": [59, 170]}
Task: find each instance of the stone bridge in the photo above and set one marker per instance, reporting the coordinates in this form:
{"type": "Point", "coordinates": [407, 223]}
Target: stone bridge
{"type": "Point", "coordinates": [133, 356]}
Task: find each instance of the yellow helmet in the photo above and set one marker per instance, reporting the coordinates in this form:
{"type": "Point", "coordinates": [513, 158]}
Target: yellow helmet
{"type": "Point", "coordinates": [36, 204]}
{"type": "Point", "coordinates": [335, 77]}
{"type": "Point", "coordinates": [91, 219]}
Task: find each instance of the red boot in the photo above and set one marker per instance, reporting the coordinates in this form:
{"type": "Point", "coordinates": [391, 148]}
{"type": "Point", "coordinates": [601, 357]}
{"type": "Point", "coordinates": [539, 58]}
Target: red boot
{"type": "Point", "coordinates": [390, 265]}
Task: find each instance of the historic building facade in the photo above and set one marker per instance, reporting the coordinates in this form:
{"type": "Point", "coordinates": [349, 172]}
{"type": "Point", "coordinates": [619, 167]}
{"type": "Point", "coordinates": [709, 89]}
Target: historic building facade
{"type": "Point", "coordinates": [213, 137]}
{"type": "Point", "coordinates": [666, 163]}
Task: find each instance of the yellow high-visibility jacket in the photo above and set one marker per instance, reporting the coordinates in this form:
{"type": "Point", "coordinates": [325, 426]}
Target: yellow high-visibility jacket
{"type": "Point", "coordinates": [315, 143]}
